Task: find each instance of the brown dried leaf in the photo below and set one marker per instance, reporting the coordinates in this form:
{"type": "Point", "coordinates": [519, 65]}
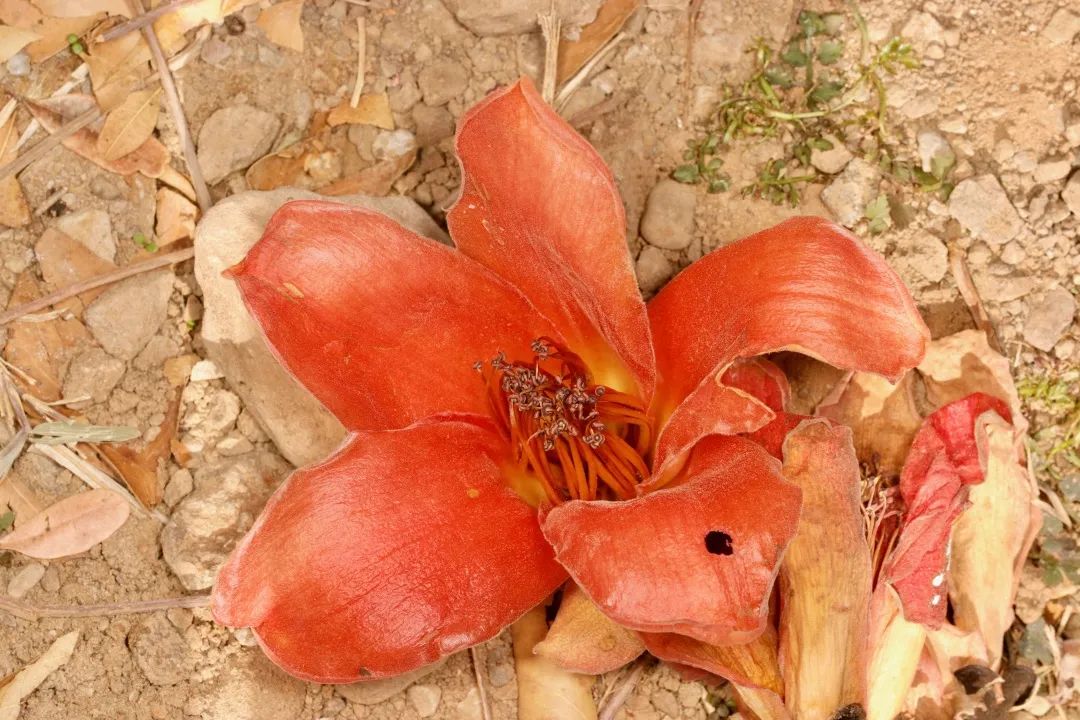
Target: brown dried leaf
{"type": "Point", "coordinates": [19, 13]}
{"type": "Point", "coordinates": [151, 158]}
{"type": "Point", "coordinates": [373, 109]}
{"type": "Point", "coordinates": [54, 33]}
{"type": "Point", "coordinates": [573, 54]}
{"type": "Point", "coordinates": [130, 125]}
{"type": "Point", "coordinates": [82, 8]}
{"type": "Point", "coordinates": [378, 179]}
{"type": "Point", "coordinates": [65, 261]}
{"type": "Point", "coordinates": [175, 217]}
{"type": "Point", "coordinates": [281, 23]}
{"type": "Point", "coordinates": [15, 496]}
{"type": "Point", "coordinates": [959, 365]}
{"type": "Point", "coordinates": [546, 691]}
{"type": "Point", "coordinates": [583, 639]}
{"type": "Point", "coordinates": [882, 416]}
{"type": "Point", "coordinates": [992, 536]}
{"type": "Point", "coordinates": [71, 526]}
{"type": "Point", "coordinates": [283, 168]}
{"type": "Point", "coordinates": [26, 680]}
{"type": "Point", "coordinates": [117, 68]}
{"type": "Point", "coordinates": [14, 39]}
{"type": "Point", "coordinates": [14, 210]}
{"type": "Point", "coordinates": [139, 467]}
{"type": "Point", "coordinates": [34, 347]}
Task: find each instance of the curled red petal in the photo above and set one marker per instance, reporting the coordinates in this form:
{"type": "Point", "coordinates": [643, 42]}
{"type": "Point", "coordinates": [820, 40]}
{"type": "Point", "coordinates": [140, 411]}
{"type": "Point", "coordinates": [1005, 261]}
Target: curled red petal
{"type": "Point", "coordinates": [806, 285]}
{"type": "Point", "coordinates": [697, 559]}
{"type": "Point", "coordinates": [768, 383]}
{"type": "Point", "coordinates": [944, 460]}
{"type": "Point", "coordinates": [400, 549]}
{"type": "Point", "coordinates": [753, 664]}
{"type": "Point", "coordinates": [539, 207]}
{"type": "Point", "coordinates": [381, 325]}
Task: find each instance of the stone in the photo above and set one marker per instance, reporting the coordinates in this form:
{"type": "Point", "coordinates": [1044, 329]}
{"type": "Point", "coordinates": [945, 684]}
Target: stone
{"type": "Point", "coordinates": [93, 229]}
{"type": "Point", "coordinates": [303, 430]}
{"type": "Point", "coordinates": [24, 580]}
{"type": "Point", "coordinates": [443, 81]}
{"type": "Point", "coordinates": [373, 692]}
{"type": "Point", "coordinates": [690, 694]}
{"type": "Point", "coordinates": [1064, 25]}
{"type": "Point", "coordinates": [18, 65]}
{"type": "Point", "coordinates": [179, 487]}
{"type": "Point", "coordinates": [514, 17]}
{"type": "Point", "coordinates": [666, 702]}
{"type": "Point", "coordinates": [1049, 318]}
{"type": "Point", "coordinates": [668, 220]}
{"type": "Point", "coordinates": [923, 30]}
{"type": "Point", "coordinates": [205, 370]}
{"type": "Point", "coordinates": [124, 317]}
{"type": "Point", "coordinates": [934, 149]}
{"type": "Point", "coordinates": [1013, 253]}
{"type": "Point", "coordinates": [208, 413]}
{"type": "Point", "coordinates": [1071, 194]}
{"type": "Point", "coordinates": [390, 144]}
{"type": "Point", "coordinates": [1052, 170]}
{"type": "Point", "coordinates": [834, 159]}
{"type": "Point", "coordinates": [234, 445]}
{"type": "Point", "coordinates": [159, 651]}
{"type": "Point", "coordinates": [981, 206]}
{"type": "Point", "coordinates": [848, 195]}
{"type": "Point", "coordinates": [1000, 288]}
{"type": "Point", "coordinates": [432, 124]}
{"type": "Point", "coordinates": [249, 687]}
{"type": "Point", "coordinates": [206, 524]}
{"type": "Point", "coordinates": [424, 699]}
{"type": "Point", "coordinates": [653, 269]}
{"type": "Point", "coordinates": [470, 707]}
{"type": "Point", "coordinates": [93, 373]}
{"type": "Point", "coordinates": [501, 674]}
{"type": "Point", "coordinates": [928, 256]}
{"type": "Point", "coordinates": [233, 138]}
{"type": "Point", "coordinates": [215, 51]}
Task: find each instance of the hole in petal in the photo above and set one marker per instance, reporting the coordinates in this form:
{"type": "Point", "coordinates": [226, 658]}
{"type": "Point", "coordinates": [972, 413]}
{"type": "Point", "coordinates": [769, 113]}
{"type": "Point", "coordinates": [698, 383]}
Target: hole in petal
{"type": "Point", "coordinates": [718, 543]}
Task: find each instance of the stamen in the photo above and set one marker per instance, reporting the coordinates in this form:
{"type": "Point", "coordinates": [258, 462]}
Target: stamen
{"type": "Point", "coordinates": [580, 440]}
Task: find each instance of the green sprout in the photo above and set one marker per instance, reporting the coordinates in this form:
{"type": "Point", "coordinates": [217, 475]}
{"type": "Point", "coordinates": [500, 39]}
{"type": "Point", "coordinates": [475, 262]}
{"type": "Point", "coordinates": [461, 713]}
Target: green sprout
{"type": "Point", "coordinates": [703, 164]}
{"type": "Point", "coordinates": [75, 45]}
{"type": "Point", "coordinates": [144, 242]}
{"type": "Point", "coordinates": [7, 519]}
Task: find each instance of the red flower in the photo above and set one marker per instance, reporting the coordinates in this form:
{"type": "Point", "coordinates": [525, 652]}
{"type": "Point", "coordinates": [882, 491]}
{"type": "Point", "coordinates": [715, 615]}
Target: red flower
{"type": "Point", "coordinates": [421, 535]}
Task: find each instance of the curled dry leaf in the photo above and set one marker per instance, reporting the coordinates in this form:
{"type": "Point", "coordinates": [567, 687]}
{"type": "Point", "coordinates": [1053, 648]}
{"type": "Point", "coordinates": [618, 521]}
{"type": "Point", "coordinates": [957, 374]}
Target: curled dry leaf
{"type": "Point", "coordinates": [14, 39]}
{"type": "Point", "coordinates": [546, 691]}
{"type": "Point", "coordinates": [573, 54]}
{"type": "Point", "coordinates": [151, 158]}
{"type": "Point", "coordinates": [14, 210]}
{"type": "Point", "coordinates": [17, 498]}
{"type": "Point", "coordinates": [825, 577]}
{"type": "Point", "coordinates": [130, 125]}
{"type": "Point", "coordinates": [139, 467]}
{"type": "Point", "coordinates": [896, 647]}
{"type": "Point", "coordinates": [26, 680]}
{"type": "Point", "coordinates": [71, 526]}
{"type": "Point", "coordinates": [378, 179]}
{"type": "Point", "coordinates": [65, 261]}
{"type": "Point", "coordinates": [54, 32]}
{"type": "Point", "coordinates": [281, 23]}
{"type": "Point", "coordinates": [582, 639]}
{"type": "Point", "coordinates": [117, 67]}
{"type": "Point", "coordinates": [373, 109]}
{"type": "Point", "coordinates": [284, 167]}
{"type": "Point", "coordinates": [175, 217]}
{"type": "Point", "coordinates": [19, 13]}
{"type": "Point", "coordinates": [82, 8]}
{"type": "Point", "coordinates": [964, 363]}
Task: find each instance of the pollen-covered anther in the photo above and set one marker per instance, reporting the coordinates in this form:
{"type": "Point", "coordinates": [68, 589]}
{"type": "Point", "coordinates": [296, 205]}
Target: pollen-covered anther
{"type": "Point", "coordinates": [582, 441]}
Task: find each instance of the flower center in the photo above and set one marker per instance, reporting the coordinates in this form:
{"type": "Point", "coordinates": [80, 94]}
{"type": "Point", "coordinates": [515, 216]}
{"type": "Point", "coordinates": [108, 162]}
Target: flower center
{"type": "Point", "coordinates": [580, 440]}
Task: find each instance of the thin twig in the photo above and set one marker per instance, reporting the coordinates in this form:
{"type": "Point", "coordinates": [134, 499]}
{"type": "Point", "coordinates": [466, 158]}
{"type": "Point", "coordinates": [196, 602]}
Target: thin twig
{"type": "Point", "coordinates": [551, 26]}
{"type": "Point", "coordinates": [688, 76]}
{"type": "Point", "coordinates": [108, 278]}
{"type": "Point", "coordinates": [361, 65]}
{"type": "Point", "coordinates": [580, 76]}
{"type": "Point", "coordinates": [42, 148]}
{"type": "Point", "coordinates": [176, 110]}
{"type": "Point", "coordinates": [140, 21]}
{"type": "Point", "coordinates": [485, 708]}
{"type": "Point", "coordinates": [49, 202]}
{"type": "Point", "coordinates": [966, 286]}
{"type": "Point", "coordinates": [28, 611]}
{"type": "Point", "coordinates": [622, 692]}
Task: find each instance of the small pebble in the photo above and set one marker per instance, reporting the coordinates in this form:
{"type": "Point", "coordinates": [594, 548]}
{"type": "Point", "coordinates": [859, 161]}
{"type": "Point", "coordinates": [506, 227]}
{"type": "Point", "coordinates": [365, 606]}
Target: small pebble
{"type": "Point", "coordinates": [19, 64]}
{"type": "Point", "coordinates": [424, 699]}
{"type": "Point", "coordinates": [24, 580]}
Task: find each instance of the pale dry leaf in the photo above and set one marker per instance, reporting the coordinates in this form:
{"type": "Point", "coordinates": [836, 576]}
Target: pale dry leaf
{"type": "Point", "coordinates": [16, 496]}
{"type": "Point", "coordinates": [130, 125]}
{"type": "Point", "coordinates": [14, 210]}
{"type": "Point", "coordinates": [896, 645]}
{"type": "Point", "coordinates": [281, 23]}
{"type": "Point", "coordinates": [284, 167]}
{"type": "Point", "coordinates": [583, 639]}
{"type": "Point", "coordinates": [117, 68]}
{"type": "Point", "coordinates": [65, 261]}
{"type": "Point", "coordinates": [373, 109]}
{"type": "Point", "coordinates": [35, 347]}
{"type": "Point", "coordinates": [960, 364]}
{"type": "Point", "coordinates": [377, 180]}
{"type": "Point", "coordinates": [54, 32]}
{"type": "Point", "coordinates": [175, 217]}
{"type": "Point", "coordinates": [82, 8]}
{"type": "Point", "coordinates": [19, 13]}
{"type": "Point", "coordinates": [139, 466]}
{"type": "Point", "coordinates": [546, 691]}
{"type": "Point", "coordinates": [172, 27]}
{"type": "Point", "coordinates": [14, 39]}
{"type": "Point", "coordinates": [573, 54]}
{"type": "Point", "coordinates": [71, 526]}
{"type": "Point", "coordinates": [26, 680]}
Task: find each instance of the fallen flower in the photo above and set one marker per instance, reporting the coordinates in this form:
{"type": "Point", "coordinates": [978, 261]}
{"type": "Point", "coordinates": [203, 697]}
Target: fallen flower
{"type": "Point", "coordinates": [519, 416]}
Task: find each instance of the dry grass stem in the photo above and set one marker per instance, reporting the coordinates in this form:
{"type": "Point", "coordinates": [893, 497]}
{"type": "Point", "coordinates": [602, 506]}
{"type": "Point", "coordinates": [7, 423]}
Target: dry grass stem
{"type": "Point", "coordinates": [622, 692]}
{"type": "Point", "coordinates": [485, 708]}
{"type": "Point", "coordinates": [551, 26]}
{"type": "Point", "coordinates": [361, 64]}
{"type": "Point", "coordinates": [140, 21]}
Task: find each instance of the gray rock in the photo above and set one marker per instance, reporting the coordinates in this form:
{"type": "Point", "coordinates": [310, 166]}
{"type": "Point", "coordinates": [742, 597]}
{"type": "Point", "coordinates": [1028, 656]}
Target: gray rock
{"type": "Point", "coordinates": [653, 269]}
{"type": "Point", "coordinates": [303, 430]}
{"type": "Point", "coordinates": [233, 138]}
{"type": "Point", "coordinates": [18, 65]}
{"type": "Point", "coordinates": [24, 580]}
{"type": "Point", "coordinates": [834, 159]}
{"type": "Point", "coordinates": [1071, 194]}
{"type": "Point", "coordinates": [512, 17]}
{"type": "Point", "coordinates": [668, 220]}
{"type": "Point", "coordinates": [923, 30]}
{"type": "Point", "coordinates": [124, 318]}
{"type": "Point", "coordinates": [390, 144]}
{"type": "Point", "coordinates": [665, 702]}
{"type": "Point", "coordinates": [1050, 171]}
{"type": "Point", "coordinates": [92, 228]}
{"type": "Point", "coordinates": [981, 206]}
{"type": "Point", "coordinates": [1049, 318]}
{"type": "Point", "coordinates": [470, 707]}
{"type": "Point", "coordinates": [159, 651]}
{"type": "Point", "coordinates": [501, 674]}
{"type": "Point", "coordinates": [179, 487]}
{"type": "Point", "coordinates": [424, 699]}
{"type": "Point", "coordinates": [1001, 288]}
{"type": "Point", "coordinates": [93, 373]}
{"type": "Point", "coordinates": [848, 195]}
{"type": "Point", "coordinates": [432, 124]}
{"type": "Point", "coordinates": [373, 692]}
{"type": "Point", "coordinates": [1064, 25]}
{"type": "Point", "coordinates": [249, 687]}
{"type": "Point", "coordinates": [442, 81]}
{"type": "Point", "coordinates": [206, 524]}
{"type": "Point", "coordinates": [928, 256]}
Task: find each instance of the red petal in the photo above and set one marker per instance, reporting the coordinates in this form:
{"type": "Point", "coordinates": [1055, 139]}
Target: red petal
{"type": "Point", "coordinates": [760, 378]}
{"type": "Point", "coordinates": [805, 285]}
{"type": "Point", "coordinates": [943, 461]}
{"type": "Point", "coordinates": [403, 547]}
{"type": "Point", "coordinates": [752, 664]}
{"type": "Point", "coordinates": [697, 559]}
{"type": "Point", "coordinates": [382, 325]}
{"type": "Point", "coordinates": [539, 207]}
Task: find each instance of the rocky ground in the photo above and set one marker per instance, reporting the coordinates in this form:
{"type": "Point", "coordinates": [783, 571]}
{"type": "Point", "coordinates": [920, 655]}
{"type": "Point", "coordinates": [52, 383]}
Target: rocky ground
{"type": "Point", "coordinates": [996, 88]}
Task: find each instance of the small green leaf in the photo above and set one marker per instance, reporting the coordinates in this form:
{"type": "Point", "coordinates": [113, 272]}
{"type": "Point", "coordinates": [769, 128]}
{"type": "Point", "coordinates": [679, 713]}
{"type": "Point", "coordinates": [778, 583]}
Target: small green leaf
{"type": "Point", "coordinates": [794, 56]}
{"type": "Point", "coordinates": [686, 174]}
{"type": "Point", "coordinates": [811, 23]}
{"type": "Point", "coordinates": [820, 144]}
{"type": "Point", "coordinates": [780, 77]}
{"type": "Point", "coordinates": [829, 52]}
{"type": "Point", "coordinates": [7, 520]}
{"type": "Point", "coordinates": [825, 92]}
{"type": "Point", "coordinates": [719, 184]}
{"type": "Point", "coordinates": [877, 214]}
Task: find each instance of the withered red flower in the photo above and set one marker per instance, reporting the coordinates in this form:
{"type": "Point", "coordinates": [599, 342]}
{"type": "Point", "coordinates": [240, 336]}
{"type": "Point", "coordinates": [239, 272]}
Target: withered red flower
{"type": "Point", "coordinates": [602, 439]}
